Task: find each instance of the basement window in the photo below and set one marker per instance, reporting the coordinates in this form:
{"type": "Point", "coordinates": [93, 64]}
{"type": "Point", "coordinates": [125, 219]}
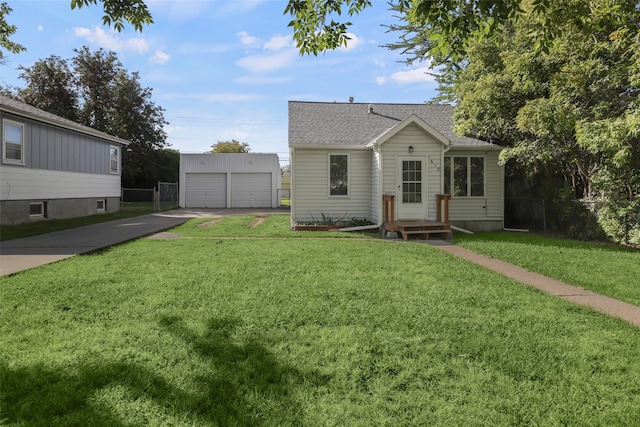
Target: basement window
{"type": "Point", "coordinates": [38, 209]}
{"type": "Point", "coordinates": [101, 205]}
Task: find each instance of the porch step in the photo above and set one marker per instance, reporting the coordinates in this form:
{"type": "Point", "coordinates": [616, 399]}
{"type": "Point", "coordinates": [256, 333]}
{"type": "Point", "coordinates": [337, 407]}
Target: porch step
{"type": "Point", "coordinates": [421, 229]}
{"type": "Point", "coordinates": [425, 234]}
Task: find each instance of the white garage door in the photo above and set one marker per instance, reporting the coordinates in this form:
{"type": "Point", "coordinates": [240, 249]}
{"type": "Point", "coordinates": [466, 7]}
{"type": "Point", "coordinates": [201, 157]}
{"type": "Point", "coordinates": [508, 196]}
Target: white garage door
{"type": "Point", "coordinates": [205, 190]}
{"type": "Point", "coordinates": [251, 190]}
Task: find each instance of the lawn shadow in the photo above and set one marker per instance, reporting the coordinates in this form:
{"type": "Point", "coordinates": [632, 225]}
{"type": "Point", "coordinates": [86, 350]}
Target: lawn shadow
{"type": "Point", "coordinates": [250, 386]}
{"type": "Point", "coordinates": [247, 386]}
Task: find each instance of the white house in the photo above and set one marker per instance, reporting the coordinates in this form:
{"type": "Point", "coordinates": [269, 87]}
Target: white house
{"type": "Point", "coordinates": [346, 158]}
{"type": "Point", "coordinates": [229, 180]}
{"type": "Point", "coordinates": [53, 167]}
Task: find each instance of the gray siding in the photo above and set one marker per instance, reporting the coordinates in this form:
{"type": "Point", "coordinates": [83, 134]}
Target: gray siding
{"type": "Point", "coordinates": [50, 148]}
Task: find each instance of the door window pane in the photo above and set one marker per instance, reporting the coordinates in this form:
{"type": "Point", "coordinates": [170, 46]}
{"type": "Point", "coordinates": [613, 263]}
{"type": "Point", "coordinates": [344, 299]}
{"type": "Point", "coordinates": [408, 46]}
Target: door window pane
{"type": "Point", "coordinates": [411, 181]}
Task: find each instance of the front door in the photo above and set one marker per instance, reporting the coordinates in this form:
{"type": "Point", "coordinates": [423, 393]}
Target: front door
{"type": "Point", "coordinates": [412, 184]}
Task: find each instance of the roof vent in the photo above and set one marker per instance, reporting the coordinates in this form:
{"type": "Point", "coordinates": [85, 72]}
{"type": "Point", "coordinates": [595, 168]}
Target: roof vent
{"type": "Point", "coordinates": [351, 99]}
{"type": "Point", "coordinates": [370, 108]}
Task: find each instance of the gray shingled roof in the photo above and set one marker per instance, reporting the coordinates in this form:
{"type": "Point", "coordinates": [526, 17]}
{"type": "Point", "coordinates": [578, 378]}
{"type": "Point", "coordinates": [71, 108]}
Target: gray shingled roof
{"type": "Point", "coordinates": [350, 123]}
{"type": "Point", "coordinates": [19, 108]}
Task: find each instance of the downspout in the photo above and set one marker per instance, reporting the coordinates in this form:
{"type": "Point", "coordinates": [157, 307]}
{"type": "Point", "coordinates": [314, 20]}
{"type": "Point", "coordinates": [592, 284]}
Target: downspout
{"type": "Point", "coordinates": [292, 211]}
{"type": "Point", "coordinates": [380, 207]}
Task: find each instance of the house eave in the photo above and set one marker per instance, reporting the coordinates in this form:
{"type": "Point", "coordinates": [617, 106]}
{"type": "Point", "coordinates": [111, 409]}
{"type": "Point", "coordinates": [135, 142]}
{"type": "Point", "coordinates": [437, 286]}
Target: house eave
{"type": "Point", "coordinates": [63, 123]}
{"type": "Point", "coordinates": [487, 148]}
{"type": "Point", "coordinates": [330, 146]}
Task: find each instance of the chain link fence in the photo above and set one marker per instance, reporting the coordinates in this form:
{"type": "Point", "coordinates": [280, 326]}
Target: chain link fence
{"type": "Point", "coordinates": [161, 198]}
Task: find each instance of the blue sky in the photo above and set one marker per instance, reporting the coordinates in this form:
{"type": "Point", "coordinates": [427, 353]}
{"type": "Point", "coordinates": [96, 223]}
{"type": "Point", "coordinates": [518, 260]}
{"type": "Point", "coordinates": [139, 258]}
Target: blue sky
{"type": "Point", "coordinates": [224, 69]}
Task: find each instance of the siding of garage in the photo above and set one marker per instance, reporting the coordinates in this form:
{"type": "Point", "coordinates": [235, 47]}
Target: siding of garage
{"type": "Point", "coordinates": [250, 180]}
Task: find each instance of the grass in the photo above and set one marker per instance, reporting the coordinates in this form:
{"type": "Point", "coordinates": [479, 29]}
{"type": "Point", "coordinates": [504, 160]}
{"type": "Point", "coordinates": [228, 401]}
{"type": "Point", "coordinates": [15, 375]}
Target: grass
{"type": "Point", "coordinates": [209, 330]}
{"type": "Point", "coordinates": [609, 270]}
{"type": "Point", "coordinates": [278, 225]}
{"type": "Point", "coordinates": [127, 210]}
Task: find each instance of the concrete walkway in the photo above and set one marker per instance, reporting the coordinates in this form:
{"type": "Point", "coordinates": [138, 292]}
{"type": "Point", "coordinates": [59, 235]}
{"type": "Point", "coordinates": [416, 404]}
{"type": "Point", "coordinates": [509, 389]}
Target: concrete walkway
{"type": "Point", "coordinates": [604, 304]}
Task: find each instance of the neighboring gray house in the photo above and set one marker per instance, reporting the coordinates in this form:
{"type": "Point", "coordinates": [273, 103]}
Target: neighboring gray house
{"type": "Point", "coordinates": [53, 167]}
{"type": "Point", "coordinates": [229, 180]}
{"type": "Point", "coordinates": [346, 156]}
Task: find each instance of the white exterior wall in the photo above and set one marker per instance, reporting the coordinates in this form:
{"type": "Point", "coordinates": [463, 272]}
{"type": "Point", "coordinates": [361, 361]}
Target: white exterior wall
{"type": "Point", "coordinates": [230, 163]}
{"type": "Point", "coordinates": [425, 146]}
{"type": "Point", "coordinates": [489, 207]}
{"type": "Point", "coordinates": [21, 183]}
{"type": "Point", "coordinates": [310, 186]}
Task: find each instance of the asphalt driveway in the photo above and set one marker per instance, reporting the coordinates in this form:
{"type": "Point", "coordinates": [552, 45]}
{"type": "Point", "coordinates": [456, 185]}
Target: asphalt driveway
{"type": "Point", "coordinates": [21, 254]}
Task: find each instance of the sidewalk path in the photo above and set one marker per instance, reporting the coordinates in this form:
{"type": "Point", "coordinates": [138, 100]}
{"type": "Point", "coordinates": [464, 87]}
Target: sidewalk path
{"type": "Point", "coordinates": [610, 306]}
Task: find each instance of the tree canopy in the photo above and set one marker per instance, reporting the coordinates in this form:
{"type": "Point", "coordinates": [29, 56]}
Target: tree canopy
{"type": "Point", "coordinates": [232, 146]}
{"type": "Point", "coordinates": [95, 90]}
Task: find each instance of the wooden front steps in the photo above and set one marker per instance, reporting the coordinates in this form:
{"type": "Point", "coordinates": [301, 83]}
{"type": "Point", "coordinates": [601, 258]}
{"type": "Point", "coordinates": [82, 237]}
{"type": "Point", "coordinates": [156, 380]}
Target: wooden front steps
{"type": "Point", "coordinates": [420, 229]}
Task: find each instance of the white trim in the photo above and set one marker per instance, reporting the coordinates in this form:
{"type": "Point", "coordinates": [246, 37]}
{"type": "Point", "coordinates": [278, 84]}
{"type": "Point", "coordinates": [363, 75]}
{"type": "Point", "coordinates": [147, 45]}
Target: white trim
{"type": "Point", "coordinates": [5, 159]}
{"type": "Point", "coordinates": [338, 196]}
{"type": "Point", "coordinates": [330, 146]}
{"type": "Point", "coordinates": [118, 157]}
{"type": "Point", "coordinates": [43, 210]}
{"type": "Point", "coordinates": [412, 211]}
{"type": "Point", "coordinates": [412, 119]}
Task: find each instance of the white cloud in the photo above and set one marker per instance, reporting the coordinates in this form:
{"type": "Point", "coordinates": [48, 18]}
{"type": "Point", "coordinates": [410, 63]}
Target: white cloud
{"type": "Point", "coordinates": [40, 28]}
{"type": "Point", "coordinates": [160, 57]}
{"type": "Point", "coordinates": [416, 75]}
{"type": "Point", "coordinates": [353, 42]}
{"type": "Point", "coordinates": [278, 42]}
{"type": "Point", "coordinates": [262, 63]}
{"type": "Point", "coordinates": [111, 41]}
{"type": "Point", "coordinates": [248, 40]}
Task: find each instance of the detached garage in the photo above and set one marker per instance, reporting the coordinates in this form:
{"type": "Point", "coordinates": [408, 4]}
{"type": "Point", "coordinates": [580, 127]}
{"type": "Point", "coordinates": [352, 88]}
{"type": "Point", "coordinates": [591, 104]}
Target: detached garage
{"type": "Point", "coordinates": [229, 180]}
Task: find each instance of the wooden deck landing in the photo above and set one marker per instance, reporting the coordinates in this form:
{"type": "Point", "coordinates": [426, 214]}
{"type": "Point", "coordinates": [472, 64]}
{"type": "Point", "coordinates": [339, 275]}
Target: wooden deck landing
{"type": "Point", "coordinates": [420, 229]}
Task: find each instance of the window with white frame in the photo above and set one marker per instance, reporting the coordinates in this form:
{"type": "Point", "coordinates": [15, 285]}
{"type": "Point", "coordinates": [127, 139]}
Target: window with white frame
{"type": "Point", "coordinates": [464, 176]}
{"type": "Point", "coordinates": [12, 142]}
{"type": "Point", "coordinates": [114, 159]}
{"type": "Point", "coordinates": [338, 174]}
{"type": "Point", "coordinates": [38, 209]}
{"type": "Point", "coordinates": [101, 205]}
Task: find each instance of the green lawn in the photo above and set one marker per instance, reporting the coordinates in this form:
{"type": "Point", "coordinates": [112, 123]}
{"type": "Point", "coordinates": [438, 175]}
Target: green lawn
{"type": "Point", "coordinates": [208, 330]}
{"type": "Point", "coordinates": [609, 270]}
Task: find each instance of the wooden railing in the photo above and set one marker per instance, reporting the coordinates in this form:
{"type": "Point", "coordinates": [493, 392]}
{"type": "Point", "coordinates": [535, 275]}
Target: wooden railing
{"type": "Point", "coordinates": [442, 209]}
{"type": "Point", "coordinates": [389, 206]}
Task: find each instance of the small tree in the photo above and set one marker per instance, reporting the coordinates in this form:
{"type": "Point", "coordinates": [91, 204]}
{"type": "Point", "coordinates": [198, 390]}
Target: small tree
{"type": "Point", "coordinates": [232, 146]}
